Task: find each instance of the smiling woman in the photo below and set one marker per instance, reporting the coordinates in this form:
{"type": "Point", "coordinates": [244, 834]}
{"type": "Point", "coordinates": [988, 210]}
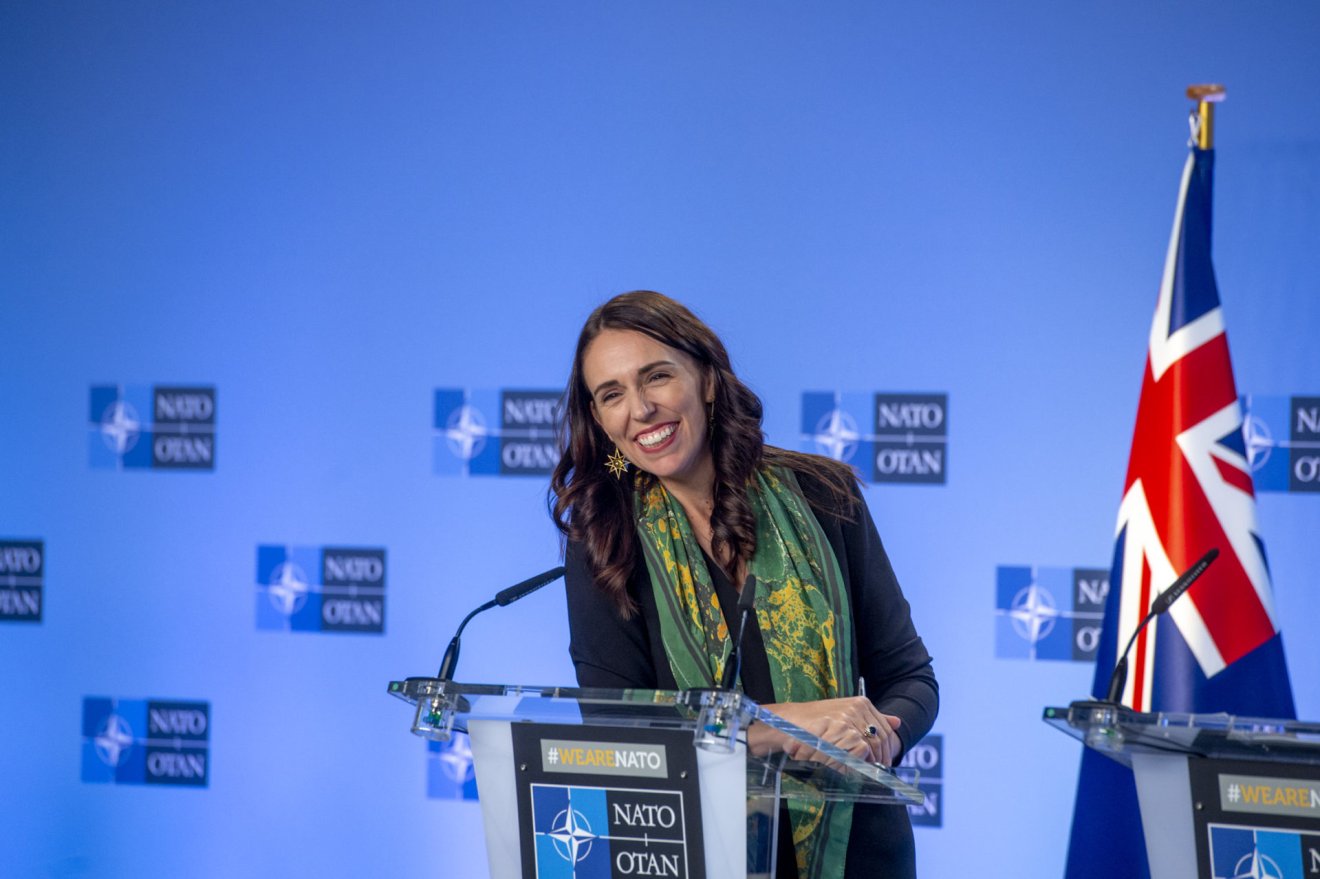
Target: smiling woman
{"type": "Point", "coordinates": [671, 501]}
{"type": "Point", "coordinates": [651, 402]}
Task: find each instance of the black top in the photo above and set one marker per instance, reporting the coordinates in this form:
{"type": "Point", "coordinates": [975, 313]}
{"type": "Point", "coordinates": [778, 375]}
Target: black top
{"type": "Point", "coordinates": [611, 652]}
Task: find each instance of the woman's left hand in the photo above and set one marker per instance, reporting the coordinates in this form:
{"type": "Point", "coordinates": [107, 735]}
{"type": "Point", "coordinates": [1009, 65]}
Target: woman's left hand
{"type": "Point", "coordinates": [852, 724]}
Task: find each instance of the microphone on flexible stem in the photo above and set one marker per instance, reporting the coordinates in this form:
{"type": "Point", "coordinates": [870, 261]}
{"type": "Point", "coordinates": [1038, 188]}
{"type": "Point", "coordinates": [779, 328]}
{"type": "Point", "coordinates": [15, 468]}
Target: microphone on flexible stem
{"type": "Point", "coordinates": [1119, 678]}
{"type": "Point", "coordinates": [733, 667]}
{"type": "Point", "coordinates": [502, 598]}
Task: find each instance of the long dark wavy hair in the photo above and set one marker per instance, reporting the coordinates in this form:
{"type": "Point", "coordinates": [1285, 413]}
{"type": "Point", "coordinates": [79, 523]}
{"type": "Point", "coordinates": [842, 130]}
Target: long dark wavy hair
{"type": "Point", "coordinates": [593, 508]}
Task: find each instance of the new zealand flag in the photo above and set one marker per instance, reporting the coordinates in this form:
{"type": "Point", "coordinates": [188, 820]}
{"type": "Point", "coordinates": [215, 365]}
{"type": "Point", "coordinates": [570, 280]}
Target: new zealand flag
{"type": "Point", "coordinates": [1188, 489]}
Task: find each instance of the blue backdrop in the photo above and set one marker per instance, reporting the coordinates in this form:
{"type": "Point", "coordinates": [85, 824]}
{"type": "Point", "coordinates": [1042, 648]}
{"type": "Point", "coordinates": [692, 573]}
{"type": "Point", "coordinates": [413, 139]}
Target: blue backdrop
{"type": "Point", "coordinates": [322, 214]}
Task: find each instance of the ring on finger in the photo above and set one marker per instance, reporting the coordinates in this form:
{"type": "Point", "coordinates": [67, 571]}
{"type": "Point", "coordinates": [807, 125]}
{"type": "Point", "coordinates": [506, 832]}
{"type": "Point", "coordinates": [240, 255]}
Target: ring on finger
{"type": "Point", "coordinates": [870, 732]}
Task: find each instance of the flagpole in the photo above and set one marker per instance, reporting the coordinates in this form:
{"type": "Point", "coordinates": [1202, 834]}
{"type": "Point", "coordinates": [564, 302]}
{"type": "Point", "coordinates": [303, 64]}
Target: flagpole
{"type": "Point", "coordinates": [1206, 96]}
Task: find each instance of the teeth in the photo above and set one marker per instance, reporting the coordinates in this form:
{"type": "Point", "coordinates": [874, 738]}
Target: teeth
{"type": "Point", "coordinates": [655, 439]}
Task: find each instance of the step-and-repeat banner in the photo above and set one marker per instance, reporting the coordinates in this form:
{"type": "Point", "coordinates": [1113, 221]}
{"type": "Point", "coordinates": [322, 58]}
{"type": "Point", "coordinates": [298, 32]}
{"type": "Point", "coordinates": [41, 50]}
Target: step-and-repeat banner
{"type": "Point", "coordinates": [290, 296]}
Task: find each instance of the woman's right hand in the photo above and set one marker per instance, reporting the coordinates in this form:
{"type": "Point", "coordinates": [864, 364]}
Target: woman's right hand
{"type": "Point", "coordinates": [846, 723]}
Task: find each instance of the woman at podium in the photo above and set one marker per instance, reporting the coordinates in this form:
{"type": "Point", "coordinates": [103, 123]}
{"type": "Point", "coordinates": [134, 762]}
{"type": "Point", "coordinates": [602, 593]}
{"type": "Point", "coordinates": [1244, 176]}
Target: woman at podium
{"type": "Point", "coordinates": [671, 501]}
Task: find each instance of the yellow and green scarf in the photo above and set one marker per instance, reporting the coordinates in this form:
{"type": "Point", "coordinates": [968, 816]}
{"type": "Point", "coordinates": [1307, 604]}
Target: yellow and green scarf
{"type": "Point", "coordinates": [802, 608]}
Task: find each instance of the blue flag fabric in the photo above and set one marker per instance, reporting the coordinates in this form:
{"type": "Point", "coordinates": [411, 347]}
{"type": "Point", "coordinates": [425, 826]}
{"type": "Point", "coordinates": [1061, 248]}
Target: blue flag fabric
{"type": "Point", "coordinates": [1188, 489]}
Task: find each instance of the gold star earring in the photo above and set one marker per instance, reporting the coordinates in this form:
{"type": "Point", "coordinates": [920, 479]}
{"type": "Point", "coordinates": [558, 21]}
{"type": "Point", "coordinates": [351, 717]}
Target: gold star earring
{"type": "Point", "coordinates": [616, 463]}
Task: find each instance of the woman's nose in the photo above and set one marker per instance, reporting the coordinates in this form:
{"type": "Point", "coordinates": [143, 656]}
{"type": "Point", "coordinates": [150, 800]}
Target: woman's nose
{"type": "Point", "coordinates": [642, 407]}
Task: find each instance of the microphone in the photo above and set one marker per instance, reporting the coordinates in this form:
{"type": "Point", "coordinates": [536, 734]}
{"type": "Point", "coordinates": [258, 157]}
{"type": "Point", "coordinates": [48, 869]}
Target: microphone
{"type": "Point", "coordinates": [503, 598]}
{"type": "Point", "coordinates": [733, 667]}
{"type": "Point", "coordinates": [508, 596]}
{"type": "Point", "coordinates": [1119, 678]}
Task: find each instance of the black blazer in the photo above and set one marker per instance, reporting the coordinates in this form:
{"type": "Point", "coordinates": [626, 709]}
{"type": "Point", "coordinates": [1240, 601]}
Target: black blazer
{"type": "Point", "coordinates": [611, 652]}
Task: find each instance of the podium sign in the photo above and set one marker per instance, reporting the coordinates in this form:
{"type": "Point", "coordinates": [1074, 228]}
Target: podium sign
{"type": "Point", "coordinates": [597, 802]}
{"type": "Point", "coordinates": [611, 783]}
{"type": "Point", "coordinates": [1250, 816]}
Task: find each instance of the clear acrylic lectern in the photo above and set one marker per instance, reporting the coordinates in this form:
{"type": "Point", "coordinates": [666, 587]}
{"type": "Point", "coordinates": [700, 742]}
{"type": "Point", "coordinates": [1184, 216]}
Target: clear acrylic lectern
{"type": "Point", "coordinates": [1220, 796]}
{"type": "Point", "coordinates": [650, 782]}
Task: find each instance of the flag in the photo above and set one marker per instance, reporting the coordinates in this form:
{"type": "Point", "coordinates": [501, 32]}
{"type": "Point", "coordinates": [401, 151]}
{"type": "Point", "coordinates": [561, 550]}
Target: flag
{"type": "Point", "coordinates": [1188, 489]}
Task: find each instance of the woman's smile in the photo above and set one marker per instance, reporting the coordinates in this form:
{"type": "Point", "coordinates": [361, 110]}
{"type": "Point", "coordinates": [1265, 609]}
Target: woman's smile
{"type": "Point", "coordinates": [654, 440]}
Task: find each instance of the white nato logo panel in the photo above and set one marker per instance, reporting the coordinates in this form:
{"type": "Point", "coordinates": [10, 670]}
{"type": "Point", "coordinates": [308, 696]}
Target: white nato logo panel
{"type": "Point", "coordinates": [114, 740]}
{"type": "Point", "coordinates": [571, 835]}
{"type": "Point", "coordinates": [120, 426]}
{"type": "Point", "coordinates": [837, 435]}
{"type": "Point", "coordinates": [466, 432]}
{"type": "Point", "coordinates": [288, 588]}
{"type": "Point", "coordinates": [1033, 613]}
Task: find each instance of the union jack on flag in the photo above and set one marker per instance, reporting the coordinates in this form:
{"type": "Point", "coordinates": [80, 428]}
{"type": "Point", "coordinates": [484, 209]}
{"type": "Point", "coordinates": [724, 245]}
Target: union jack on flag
{"type": "Point", "coordinates": [1188, 489]}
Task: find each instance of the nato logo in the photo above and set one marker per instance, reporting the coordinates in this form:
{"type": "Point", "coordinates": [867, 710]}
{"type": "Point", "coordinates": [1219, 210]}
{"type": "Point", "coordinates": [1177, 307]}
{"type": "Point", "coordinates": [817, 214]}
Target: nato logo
{"type": "Point", "coordinates": [923, 766]}
{"type": "Point", "coordinates": [1262, 853]}
{"type": "Point", "coordinates": [142, 427]}
{"type": "Point", "coordinates": [896, 438]}
{"type": "Point", "coordinates": [145, 741]}
{"type": "Point", "coordinates": [320, 589]}
{"type": "Point", "coordinates": [588, 832]}
{"type": "Point", "coordinates": [449, 771]}
{"type": "Point", "coordinates": [1049, 613]}
{"type": "Point", "coordinates": [22, 567]}
{"type": "Point", "coordinates": [495, 433]}
{"type": "Point", "coordinates": [1281, 437]}
{"type": "Point", "coordinates": [569, 826]}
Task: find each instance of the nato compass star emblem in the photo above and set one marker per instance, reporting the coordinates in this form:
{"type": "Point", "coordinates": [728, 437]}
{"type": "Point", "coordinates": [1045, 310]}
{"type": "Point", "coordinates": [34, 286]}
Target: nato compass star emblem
{"type": "Point", "coordinates": [1258, 440]}
{"type": "Point", "coordinates": [288, 588]}
{"type": "Point", "coordinates": [1033, 613]}
{"type": "Point", "coordinates": [113, 741]}
{"type": "Point", "coordinates": [571, 835]}
{"type": "Point", "coordinates": [120, 427]}
{"type": "Point", "coordinates": [466, 432]}
{"type": "Point", "coordinates": [837, 435]}
{"type": "Point", "coordinates": [1256, 866]}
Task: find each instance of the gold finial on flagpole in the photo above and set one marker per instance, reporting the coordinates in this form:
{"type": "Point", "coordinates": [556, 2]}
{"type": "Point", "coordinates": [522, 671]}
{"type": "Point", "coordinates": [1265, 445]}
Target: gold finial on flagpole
{"type": "Point", "coordinates": [1206, 96]}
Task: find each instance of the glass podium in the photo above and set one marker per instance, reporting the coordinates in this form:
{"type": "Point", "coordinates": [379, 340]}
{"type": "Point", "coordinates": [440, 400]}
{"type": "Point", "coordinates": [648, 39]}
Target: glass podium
{"type": "Point", "coordinates": [653, 781]}
{"type": "Point", "coordinates": [1220, 795]}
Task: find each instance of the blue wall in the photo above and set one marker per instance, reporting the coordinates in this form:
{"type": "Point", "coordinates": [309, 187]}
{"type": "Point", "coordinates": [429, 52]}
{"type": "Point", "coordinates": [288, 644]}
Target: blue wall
{"type": "Point", "coordinates": [327, 211]}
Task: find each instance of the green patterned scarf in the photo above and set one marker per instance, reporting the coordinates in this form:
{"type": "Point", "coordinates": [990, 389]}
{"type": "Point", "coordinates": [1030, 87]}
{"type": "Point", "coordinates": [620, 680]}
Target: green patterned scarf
{"type": "Point", "coordinates": [802, 608]}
